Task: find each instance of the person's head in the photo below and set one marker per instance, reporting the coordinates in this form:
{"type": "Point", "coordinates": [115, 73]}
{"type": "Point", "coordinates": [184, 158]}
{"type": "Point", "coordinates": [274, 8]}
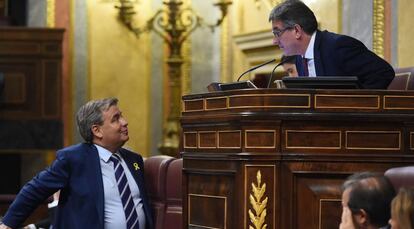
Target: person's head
{"type": "Point", "coordinates": [402, 210]}
{"type": "Point", "coordinates": [101, 122]}
{"type": "Point", "coordinates": [293, 23]}
{"type": "Point", "coordinates": [368, 196]}
{"type": "Point", "coordinates": [289, 65]}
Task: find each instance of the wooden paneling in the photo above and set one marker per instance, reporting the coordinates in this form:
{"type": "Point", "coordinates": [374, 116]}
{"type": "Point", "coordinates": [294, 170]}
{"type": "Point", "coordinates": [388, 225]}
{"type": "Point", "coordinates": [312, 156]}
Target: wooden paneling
{"type": "Point", "coordinates": [260, 139]}
{"type": "Point", "coordinates": [207, 139]}
{"type": "Point", "coordinates": [15, 92]}
{"type": "Point", "coordinates": [347, 101]}
{"type": "Point", "coordinates": [204, 217]}
{"type": "Point", "coordinates": [303, 143]}
{"type": "Point", "coordinates": [216, 103]}
{"type": "Point", "coordinates": [194, 105]}
{"type": "Point", "coordinates": [373, 140]}
{"type": "Point", "coordinates": [31, 62]}
{"type": "Point", "coordinates": [399, 102]}
{"type": "Point", "coordinates": [31, 105]}
{"type": "Point", "coordinates": [190, 140]}
{"type": "Point", "coordinates": [209, 205]}
{"type": "Point", "coordinates": [313, 139]}
{"type": "Point", "coordinates": [412, 140]}
{"type": "Point", "coordinates": [230, 139]}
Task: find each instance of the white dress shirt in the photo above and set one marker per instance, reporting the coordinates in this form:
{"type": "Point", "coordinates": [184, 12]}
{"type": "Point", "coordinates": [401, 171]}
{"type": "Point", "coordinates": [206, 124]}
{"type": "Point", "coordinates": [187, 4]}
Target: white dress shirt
{"type": "Point", "coordinates": [309, 56]}
{"type": "Point", "coordinates": [114, 216]}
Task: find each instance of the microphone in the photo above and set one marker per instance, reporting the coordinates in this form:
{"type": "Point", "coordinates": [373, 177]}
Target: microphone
{"type": "Point", "coordinates": [254, 68]}
{"type": "Point", "coordinates": [277, 65]}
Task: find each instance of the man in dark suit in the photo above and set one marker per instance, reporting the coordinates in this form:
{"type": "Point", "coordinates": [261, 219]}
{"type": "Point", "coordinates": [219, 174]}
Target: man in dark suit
{"type": "Point", "coordinates": [102, 184]}
{"type": "Point", "coordinates": [322, 53]}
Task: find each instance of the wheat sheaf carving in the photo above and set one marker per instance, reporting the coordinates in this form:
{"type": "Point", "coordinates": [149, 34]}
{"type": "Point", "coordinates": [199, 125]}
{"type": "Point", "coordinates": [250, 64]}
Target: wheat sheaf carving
{"type": "Point", "coordinates": [258, 215]}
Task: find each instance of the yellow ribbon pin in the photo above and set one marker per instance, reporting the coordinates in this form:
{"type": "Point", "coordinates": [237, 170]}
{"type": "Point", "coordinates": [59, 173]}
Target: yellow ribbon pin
{"type": "Point", "coordinates": [136, 166]}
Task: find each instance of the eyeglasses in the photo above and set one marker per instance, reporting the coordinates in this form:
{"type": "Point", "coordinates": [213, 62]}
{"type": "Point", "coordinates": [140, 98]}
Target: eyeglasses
{"type": "Point", "coordinates": [277, 33]}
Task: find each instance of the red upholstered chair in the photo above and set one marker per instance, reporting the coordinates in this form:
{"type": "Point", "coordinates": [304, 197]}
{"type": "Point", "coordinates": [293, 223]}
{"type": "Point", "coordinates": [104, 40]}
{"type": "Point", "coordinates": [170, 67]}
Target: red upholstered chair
{"type": "Point", "coordinates": [174, 210]}
{"type": "Point", "coordinates": [401, 176]}
{"type": "Point", "coordinates": [155, 179]}
{"type": "Point", "coordinates": [403, 80]}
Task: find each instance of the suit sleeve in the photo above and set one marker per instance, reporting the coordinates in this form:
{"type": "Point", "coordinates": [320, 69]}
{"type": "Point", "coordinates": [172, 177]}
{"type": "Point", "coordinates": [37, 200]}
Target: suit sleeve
{"type": "Point", "coordinates": [355, 59]}
{"type": "Point", "coordinates": [37, 191]}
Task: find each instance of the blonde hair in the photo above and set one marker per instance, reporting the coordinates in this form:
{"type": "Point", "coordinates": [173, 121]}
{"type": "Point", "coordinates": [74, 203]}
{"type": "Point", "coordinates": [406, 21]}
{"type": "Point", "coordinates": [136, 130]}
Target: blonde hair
{"type": "Point", "coordinates": [402, 208]}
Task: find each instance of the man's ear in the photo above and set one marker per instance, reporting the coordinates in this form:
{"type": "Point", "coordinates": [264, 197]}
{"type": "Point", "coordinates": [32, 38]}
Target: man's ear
{"type": "Point", "coordinates": [362, 218]}
{"type": "Point", "coordinates": [298, 31]}
{"type": "Point", "coordinates": [96, 131]}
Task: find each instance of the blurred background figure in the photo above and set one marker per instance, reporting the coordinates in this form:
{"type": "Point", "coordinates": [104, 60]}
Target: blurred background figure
{"type": "Point", "coordinates": [366, 201]}
{"type": "Point", "coordinates": [402, 210]}
{"type": "Point", "coordinates": [289, 65]}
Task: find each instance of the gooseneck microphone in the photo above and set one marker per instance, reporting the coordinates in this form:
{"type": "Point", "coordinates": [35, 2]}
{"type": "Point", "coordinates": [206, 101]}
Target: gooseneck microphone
{"type": "Point", "coordinates": [254, 68]}
{"type": "Point", "coordinates": [273, 71]}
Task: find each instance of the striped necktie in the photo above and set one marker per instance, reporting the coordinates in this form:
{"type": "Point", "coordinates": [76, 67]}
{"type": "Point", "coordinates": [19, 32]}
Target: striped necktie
{"type": "Point", "coordinates": [125, 193]}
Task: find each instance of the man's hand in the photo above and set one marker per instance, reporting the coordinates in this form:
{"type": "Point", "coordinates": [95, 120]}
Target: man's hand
{"type": "Point", "coordinates": [346, 219]}
{"type": "Point", "coordinates": [4, 226]}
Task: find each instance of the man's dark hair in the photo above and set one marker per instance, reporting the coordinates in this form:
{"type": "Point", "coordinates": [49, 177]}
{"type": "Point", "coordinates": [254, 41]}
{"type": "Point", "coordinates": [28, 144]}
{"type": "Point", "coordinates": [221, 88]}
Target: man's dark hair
{"type": "Point", "coordinates": [374, 196]}
{"type": "Point", "coordinates": [291, 12]}
{"type": "Point", "coordinates": [354, 178]}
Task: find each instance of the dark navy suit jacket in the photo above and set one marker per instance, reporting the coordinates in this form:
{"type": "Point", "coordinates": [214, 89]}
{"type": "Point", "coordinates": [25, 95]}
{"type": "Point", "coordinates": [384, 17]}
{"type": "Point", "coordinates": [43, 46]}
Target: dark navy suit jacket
{"type": "Point", "coordinates": [77, 173]}
{"type": "Point", "coordinates": [340, 55]}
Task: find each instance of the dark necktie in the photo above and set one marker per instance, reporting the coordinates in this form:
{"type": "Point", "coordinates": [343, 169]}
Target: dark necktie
{"type": "Point", "coordinates": [125, 192]}
{"type": "Point", "coordinates": [305, 66]}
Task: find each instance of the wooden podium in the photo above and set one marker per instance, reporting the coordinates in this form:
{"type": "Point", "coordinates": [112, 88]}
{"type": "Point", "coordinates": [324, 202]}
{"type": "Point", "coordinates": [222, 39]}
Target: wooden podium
{"type": "Point", "coordinates": [277, 158]}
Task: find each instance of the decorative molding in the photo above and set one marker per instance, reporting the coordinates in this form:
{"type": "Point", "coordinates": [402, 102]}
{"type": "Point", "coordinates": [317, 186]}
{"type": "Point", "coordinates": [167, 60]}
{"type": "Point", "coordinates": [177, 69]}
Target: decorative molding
{"type": "Point", "coordinates": [258, 133]}
{"type": "Point", "coordinates": [269, 99]}
{"type": "Point", "coordinates": [352, 102]}
{"type": "Point", "coordinates": [257, 47]}
{"type": "Point", "coordinates": [210, 101]}
{"type": "Point", "coordinates": [373, 132]}
{"type": "Point", "coordinates": [221, 198]}
{"type": "Point", "coordinates": [401, 102]}
{"type": "Point", "coordinates": [320, 208]}
{"type": "Point", "coordinates": [206, 134]}
{"type": "Point", "coordinates": [196, 102]}
{"type": "Point", "coordinates": [268, 3]}
{"type": "Point", "coordinates": [188, 144]}
{"type": "Point", "coordinates": [309, 134]}
{"type": "Point", "coordinates": [379, 27]}
{"type": "Point", "coordinates": [237, 144]}
{"type": "Point", "coordinates": [259, 206]}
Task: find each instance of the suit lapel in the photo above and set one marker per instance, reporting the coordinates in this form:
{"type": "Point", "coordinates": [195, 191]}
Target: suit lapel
{"type": "Point", "coordinates": [95, 177]}
{"type": "Point", "coordinates": [135, 169]}
{"type": "Point", "coordinates": [317, 54]}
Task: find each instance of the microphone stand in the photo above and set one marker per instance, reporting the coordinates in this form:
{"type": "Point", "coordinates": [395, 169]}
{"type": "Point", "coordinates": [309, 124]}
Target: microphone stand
{"type": "Point", "coordinates": [254, 68]}
{"type": "Point", "coordinates": [273, 71]}
{"type": "Point", "coordinates": [271, 74]}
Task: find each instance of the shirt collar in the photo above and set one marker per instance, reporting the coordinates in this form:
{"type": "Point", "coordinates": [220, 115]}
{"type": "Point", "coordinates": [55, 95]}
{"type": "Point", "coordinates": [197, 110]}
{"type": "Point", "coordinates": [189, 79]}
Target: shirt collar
{"type": "Point", "coordinates": [309, 50]}
{"type": "Point", "coordinates": [104, 154]}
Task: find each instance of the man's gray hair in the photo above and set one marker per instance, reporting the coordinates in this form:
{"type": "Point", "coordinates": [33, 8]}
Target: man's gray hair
{"type": "Point", "coordinates": [91, 114]}
{"type": "Point", "coordinates": [292, 12]}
